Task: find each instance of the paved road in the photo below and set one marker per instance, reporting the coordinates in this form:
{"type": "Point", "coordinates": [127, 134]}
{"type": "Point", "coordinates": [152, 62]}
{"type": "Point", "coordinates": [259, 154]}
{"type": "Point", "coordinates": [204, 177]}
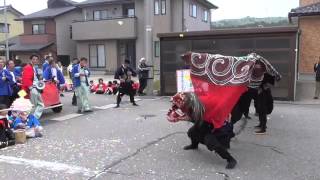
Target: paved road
{"type": "Point", "coordinates": [138, 143]}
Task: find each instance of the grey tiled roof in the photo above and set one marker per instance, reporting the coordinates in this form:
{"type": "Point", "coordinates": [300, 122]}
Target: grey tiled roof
{"type": "Point", "coordinates": [48, 13]}
{"type": "Point", "coordinates": [309, 10]}
{"type": "Point", "coordinates": [93, 2]}
{"type": "Point", "coordinates": [14, 45]}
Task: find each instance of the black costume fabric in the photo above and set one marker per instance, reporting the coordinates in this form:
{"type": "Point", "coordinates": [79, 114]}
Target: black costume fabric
{"type": "Point", "coordinates": [217, 140]}
{"type": "Point", "coordinates": [6, 135]}
{"type": "Point", "coordinates": [126, 87]}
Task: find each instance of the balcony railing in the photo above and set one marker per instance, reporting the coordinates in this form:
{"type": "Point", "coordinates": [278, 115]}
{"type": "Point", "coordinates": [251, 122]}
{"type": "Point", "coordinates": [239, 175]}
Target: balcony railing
{"type": "Point", "coordinates": [110, 28]}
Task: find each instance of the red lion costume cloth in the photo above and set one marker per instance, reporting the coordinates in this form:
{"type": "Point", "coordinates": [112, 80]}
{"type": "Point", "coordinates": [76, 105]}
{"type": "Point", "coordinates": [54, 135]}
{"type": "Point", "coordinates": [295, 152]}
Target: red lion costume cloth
{"type": "Point", "coordinates": [218, 83]}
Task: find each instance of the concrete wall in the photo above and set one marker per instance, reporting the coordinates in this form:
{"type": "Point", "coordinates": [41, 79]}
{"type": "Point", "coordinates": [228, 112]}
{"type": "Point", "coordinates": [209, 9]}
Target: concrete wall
{"type": "Point", "coordinates": [176, 18]}
{"type": "Point", "coordinates": [65, 45]}
{"type": "Point", "coordinates": [140, 41]}
{"type": "Point", "coordinates": [309, 43]}
{"type": "Point", "coordinates": [195, 24]}
{"type": "Point", "coordinates": [15, 27]}
{"type": "Point", "coordinates": [110, 52]}
{"type": "Point", "coordinates": [105, 29]}
{"type": "Point", "coordinates": [307, 2]}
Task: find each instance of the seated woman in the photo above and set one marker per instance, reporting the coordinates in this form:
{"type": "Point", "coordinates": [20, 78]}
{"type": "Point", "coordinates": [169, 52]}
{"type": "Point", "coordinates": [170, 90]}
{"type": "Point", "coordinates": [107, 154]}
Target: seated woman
{"type": "Point", "coordinates": [6, 134]}
{"type": "Point", "coordinates": [30, 123]}
{"type": "Point", "coordinates": [101, 87]}
{"type": "Point", "coordinates": [109, 88]}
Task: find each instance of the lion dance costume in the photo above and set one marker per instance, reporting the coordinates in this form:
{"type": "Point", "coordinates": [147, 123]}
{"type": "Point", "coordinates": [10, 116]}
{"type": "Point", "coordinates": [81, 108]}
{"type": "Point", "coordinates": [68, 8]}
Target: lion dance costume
{"type": "Point", "coordinates": [218, 83]}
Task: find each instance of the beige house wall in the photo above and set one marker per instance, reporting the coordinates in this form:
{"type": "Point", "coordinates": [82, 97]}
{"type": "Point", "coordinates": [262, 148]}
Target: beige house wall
{"type": "Point", "coordinates": [111, 52]}
{"type": "Point", "coordinates": [65, 45]}
{"type": "Point", "coordinates": [309, 43]}
{"type": "Point", "coordinates": [15, 27]}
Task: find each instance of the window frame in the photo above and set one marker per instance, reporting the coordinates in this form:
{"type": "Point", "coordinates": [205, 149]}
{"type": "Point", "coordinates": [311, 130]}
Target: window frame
{"type": "Point", "coordinates": [191, 10]}
{"type": "Point", "coordinates": [96, 47]}
{"type": "Point", "coordinates": [2, 29]}
{"type": "Point", "coordinates": [156, 46]}
{"type": "Point", "coordinates": [205, 15]}
{"type": "Point", "coordinates": [156, 9]}
{"type": "Point", "coordinates": [165, 7]}
{"type": "Point", "coordinates": [38, 32]}
{"type": "Point", "coordinates": [100, 15]}
{"type": "Point", "coordinates": [131, 9]}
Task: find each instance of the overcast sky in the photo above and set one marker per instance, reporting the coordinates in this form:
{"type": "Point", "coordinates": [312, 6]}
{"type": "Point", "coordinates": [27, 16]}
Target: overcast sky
{"type": "Point", "coordinates": [228, 9]}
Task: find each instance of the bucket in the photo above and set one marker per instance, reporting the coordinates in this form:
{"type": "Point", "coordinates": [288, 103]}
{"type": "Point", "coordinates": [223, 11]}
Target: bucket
{"type": "Point", "coordinates": [21, 137]}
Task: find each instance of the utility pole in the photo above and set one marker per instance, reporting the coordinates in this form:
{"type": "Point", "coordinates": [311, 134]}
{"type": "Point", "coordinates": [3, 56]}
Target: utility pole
{"type": "Point", "coordinates": [6, 29]}
{"type": "Point", "coordinates": [148, 20]}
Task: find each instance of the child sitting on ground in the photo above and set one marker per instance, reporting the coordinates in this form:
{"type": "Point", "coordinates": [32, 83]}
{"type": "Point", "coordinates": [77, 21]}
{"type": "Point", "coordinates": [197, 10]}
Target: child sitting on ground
{"type": "Point", "coordinates": [92, 86]}
{"type": "Point", "coordinates": [6, 134]}
{"type": "Point", "coordinates": [30, 123]}
{"type": "Point", "coordinates": [115, 87]}
{"type": "Point", "coordinates": [109, 88]}
{"type": "Point", "coordinates": [101, 87]}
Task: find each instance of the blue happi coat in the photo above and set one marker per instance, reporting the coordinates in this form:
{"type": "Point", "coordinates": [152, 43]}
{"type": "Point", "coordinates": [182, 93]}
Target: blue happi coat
{"type": "Point", "coordinates": [47, 75]}
{"type": "Point", "coordinates": [5, 86]}
{"type": "Point", "coordinates": [31, 122]}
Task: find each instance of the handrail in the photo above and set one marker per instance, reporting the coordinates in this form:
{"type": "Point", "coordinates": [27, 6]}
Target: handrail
{"type": "Point", "coordinates": [109, 18]}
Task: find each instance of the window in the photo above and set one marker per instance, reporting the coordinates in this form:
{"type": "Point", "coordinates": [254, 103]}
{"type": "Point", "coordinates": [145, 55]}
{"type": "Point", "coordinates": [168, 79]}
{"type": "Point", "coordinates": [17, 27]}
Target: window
{"type": "Point", "coordinates": [157, 49]}
{"type": "Point", "coordinates": [163, 7]}
{"type": "Point", "coordinates": [156, 7]}
{"type": "Point", "coordinates": [97, 56]}
{"type": "Point", "coordinates": [205, 16]}
{"type": "Point", "coordinates": [99, 15]}
{"type": "Point", "coordinates": [38, 29]}
{"type": "Point", "coordinates": [70, 31]}
{"type": "Point", "coordinates": [3, 28]}
{"type": "Point", "coordinates": [131, 13]}
{"type": "Point", "coordinates": [193, 10]}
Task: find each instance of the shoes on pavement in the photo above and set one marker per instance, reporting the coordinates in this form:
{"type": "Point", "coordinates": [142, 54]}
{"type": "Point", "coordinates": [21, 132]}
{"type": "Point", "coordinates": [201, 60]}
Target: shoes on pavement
{"type": "Point", "coordinates": [260, 132]}
{"type": "Point", "coordinates": [61, 95]}
{"type": "Point", "coordinates": [88, 111]}
{"type": "Point", "coordinates": [315, 98]}
{"type": "Point", "coordinates": [79, 112]}
{"type": "Point", "coordinates": [134, 104]}
{"type": "Point", "coordinates": [117, 106]}
{"type": "Point", "coordinates": [231, 163]}
{"type": "Point", "coordinates": [191, 146]}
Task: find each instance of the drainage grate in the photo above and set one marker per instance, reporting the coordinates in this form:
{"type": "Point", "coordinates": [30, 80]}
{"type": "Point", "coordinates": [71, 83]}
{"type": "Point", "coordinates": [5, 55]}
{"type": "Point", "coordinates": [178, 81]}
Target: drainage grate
{"type": "Point", "coordinates": [145, 116]}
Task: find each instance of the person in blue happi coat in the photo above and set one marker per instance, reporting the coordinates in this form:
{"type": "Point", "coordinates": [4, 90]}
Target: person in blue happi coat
{"type": "Point", "coordinates": [5, 84]}
{"type": "Point", "coordinates": [28, 122]}
{"type": "Point", "coordinates": [52, 73]}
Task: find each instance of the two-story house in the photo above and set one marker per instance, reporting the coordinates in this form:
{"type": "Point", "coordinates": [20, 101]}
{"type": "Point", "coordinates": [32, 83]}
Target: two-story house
{"type": "Point", "coordinates": [112, 30]}
{"type": "Point", "coordinates": [15, 28]}
{"type": "Point", "coordinates": [309, 24]}
{"type": "Point", "coordinates": [47, 31]}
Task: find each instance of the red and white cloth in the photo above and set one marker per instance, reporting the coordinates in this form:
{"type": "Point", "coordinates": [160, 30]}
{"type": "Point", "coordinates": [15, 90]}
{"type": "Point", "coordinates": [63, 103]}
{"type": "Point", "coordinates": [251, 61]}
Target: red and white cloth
{"type": "Point", "coordinates": [219, 81]}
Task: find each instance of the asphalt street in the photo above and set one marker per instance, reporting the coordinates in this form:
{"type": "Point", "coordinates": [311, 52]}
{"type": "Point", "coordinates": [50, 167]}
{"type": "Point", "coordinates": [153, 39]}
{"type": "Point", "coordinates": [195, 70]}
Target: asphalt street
{"type": "Point", "coordinates": [139, 143]}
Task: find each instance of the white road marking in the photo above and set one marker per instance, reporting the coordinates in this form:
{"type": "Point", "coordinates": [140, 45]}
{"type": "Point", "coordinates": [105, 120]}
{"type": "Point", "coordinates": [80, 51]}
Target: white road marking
{"type": "Point", "coordinates": [66, 117]}
{"type": "Point", "coordinates": [105, 107]}
{"type": "Point", "coordinates": [51, 166]}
